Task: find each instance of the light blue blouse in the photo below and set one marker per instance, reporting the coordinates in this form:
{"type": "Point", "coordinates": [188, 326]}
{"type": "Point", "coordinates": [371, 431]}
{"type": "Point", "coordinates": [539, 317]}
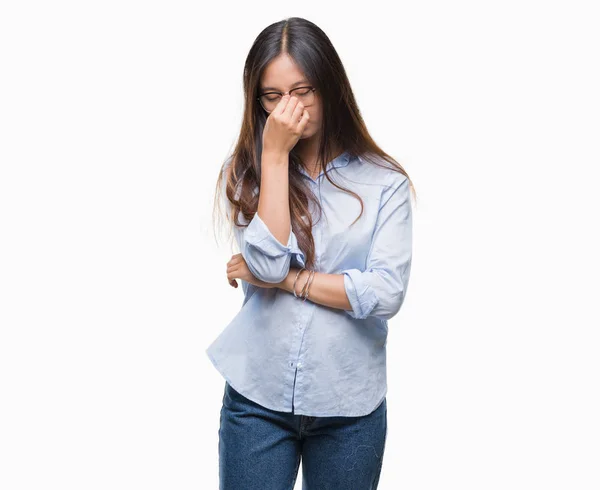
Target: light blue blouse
{"type": "Point", "coordinates": [298, 356]}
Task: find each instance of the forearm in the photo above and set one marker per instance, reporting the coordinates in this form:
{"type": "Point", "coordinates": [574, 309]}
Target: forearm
{"type": "Point", "coordinates": [325, 289]}
{"type": "Point", "coordinates": [273, 202]}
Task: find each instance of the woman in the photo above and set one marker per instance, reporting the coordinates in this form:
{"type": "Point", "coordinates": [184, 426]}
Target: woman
{"type": "Point", "coordinates": [325, 262]}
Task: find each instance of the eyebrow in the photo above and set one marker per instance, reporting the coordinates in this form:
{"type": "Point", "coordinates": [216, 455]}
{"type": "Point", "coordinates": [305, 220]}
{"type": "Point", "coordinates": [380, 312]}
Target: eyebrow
{"type": "Point", "coordinates": [264, 89]}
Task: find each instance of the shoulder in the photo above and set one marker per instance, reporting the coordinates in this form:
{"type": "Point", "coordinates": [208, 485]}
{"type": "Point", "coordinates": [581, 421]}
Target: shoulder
{"type": "Point", "coordinates": [224, 179]}
{"type": "Point", "coordinates": [226, 174]}
{"type": "Point", "coordinates": [376, 172]}
{"type": "Point", "coordinates": [226, 165]}
{"type": "Point", "coordinates": [226, 171]}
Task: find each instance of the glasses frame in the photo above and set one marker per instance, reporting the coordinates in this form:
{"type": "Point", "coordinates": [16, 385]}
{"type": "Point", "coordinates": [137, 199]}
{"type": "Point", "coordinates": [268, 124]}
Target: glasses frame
{"type": "Point", "coordinates": [289, 92]}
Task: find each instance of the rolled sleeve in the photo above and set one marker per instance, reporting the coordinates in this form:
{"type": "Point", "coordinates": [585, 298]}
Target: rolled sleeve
{"type": "Point", "coordinates": [380, 289]}
{"type": "Point", "coordinates": [361, 296]}
{"type": "Point", "coordinates": [267, 258]}
{"type": "Point", "coordinates": [259, 236]}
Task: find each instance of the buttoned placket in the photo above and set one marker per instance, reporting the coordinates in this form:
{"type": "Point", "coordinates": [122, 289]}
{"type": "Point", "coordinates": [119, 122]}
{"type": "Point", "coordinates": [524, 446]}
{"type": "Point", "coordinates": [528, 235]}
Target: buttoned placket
{"type": "Point", "coordinates": [305, 308]}
{"type": "Point", "coordinates": [305, 311]}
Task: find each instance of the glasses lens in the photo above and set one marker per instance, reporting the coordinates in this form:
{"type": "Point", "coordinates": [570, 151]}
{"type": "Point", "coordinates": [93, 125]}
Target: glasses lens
{"type": "Point", "coordinates": [304, 94]}
{"type": "Point", "coordinates": [270, 101]}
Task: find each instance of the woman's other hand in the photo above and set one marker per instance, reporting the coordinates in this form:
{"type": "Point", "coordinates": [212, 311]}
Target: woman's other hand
{"type": "Point", "coordinates": [237, 268]}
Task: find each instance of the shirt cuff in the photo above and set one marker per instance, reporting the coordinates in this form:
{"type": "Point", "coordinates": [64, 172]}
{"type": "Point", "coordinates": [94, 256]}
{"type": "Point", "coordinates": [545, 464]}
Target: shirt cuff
{"type": "Point", "coordinates": [259, 236]}
{"type": "Point", "coordinates": [361, 295]}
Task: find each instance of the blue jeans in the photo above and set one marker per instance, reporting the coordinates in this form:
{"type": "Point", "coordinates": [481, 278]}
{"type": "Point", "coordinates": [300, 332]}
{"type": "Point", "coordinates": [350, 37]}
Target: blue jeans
{"type": "Point", "coordinates": [261, 448]}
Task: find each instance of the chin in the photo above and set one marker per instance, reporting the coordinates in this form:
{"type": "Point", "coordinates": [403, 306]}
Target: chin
{"type": "Point", "coordinates": [306, 134]}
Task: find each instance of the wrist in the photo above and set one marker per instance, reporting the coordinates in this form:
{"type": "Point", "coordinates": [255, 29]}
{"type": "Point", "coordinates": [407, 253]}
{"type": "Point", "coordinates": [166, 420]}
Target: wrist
{"type": "Point", "coordinates": [274, 157]}
{"type": "Point", "coordinates": [288, 283]}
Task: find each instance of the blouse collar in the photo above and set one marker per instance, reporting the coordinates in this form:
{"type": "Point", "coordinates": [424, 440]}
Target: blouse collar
{"type": "Point", "coordinates": [341, 160]}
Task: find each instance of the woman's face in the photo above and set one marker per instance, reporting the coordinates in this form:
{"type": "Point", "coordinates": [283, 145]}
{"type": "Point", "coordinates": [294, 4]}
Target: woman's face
{"type": "Point", "coordinates": [282, 74]}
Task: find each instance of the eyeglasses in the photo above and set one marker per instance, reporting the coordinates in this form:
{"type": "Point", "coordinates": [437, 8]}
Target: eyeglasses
{"type": "Point", "coordinates": [269, 100]}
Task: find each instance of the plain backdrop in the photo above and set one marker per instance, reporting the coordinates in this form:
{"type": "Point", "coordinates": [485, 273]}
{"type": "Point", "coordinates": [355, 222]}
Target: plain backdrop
{"type": "Point", "coordinates": [115, 118]}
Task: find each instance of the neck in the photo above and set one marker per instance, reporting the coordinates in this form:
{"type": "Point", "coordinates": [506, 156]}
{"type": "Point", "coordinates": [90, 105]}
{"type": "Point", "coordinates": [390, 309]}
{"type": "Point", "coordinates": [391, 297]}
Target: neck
{"type": "Point", "coordinates": [308, 151]}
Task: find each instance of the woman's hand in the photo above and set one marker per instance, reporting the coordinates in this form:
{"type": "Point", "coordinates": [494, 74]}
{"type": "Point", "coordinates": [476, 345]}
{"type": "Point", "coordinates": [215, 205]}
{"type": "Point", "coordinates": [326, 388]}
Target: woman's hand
{"type": "Point", "coordinates": [237, 268]}
{"type": "Point", "coordinates": [284, 125]}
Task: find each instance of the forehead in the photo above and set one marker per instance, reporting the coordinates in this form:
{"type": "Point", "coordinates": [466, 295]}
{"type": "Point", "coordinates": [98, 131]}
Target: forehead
{"type": "Point", "coordinates": [282, 73]}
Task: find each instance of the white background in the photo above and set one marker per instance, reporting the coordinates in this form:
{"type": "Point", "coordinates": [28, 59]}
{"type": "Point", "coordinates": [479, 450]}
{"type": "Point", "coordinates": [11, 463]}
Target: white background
{"type": "Point", "coordinates": [115, 118]}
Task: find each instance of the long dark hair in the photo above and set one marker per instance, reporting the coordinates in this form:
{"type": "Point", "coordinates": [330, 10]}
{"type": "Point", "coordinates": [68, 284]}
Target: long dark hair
{"type": "Point", "coordinates": [342, 126]}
